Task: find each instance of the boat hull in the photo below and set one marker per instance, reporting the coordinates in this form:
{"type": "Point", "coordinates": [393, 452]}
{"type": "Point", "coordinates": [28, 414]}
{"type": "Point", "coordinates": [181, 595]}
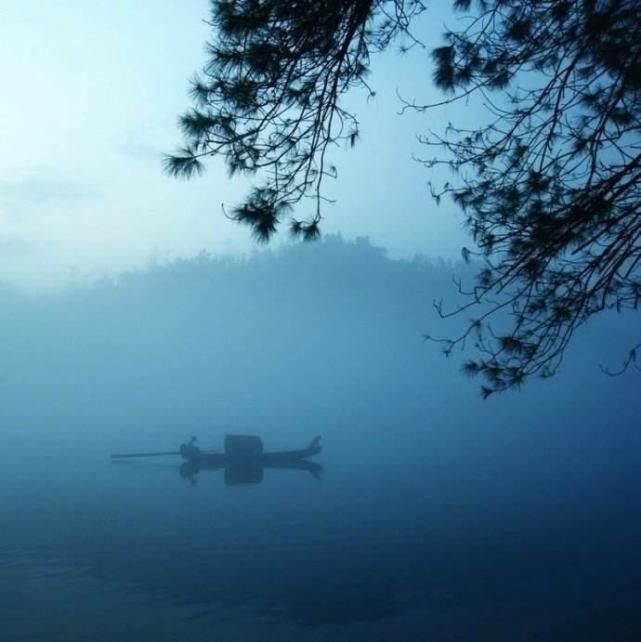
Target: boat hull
{"type": "Point", "coordinates": [205, 459]}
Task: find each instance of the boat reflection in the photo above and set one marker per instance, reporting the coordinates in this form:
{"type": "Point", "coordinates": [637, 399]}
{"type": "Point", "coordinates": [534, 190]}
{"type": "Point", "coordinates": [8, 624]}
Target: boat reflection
{"type": "Point", "coordinates": [246, 473]}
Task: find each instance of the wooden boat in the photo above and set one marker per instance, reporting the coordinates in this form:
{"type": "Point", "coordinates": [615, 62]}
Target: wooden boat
{"type": "Point", "coordinates": [246, 450]}
{"type": "Point", "coordinates": [243, 459]}
{"type": "Point", "coordinates": [239, 450]}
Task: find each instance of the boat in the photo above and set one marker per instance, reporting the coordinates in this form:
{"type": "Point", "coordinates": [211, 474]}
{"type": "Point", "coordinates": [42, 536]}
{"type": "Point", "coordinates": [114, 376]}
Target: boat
{"type": "Point", "coordinates": [243, 459]}
{"type": "Point", "coordinates": [246, 450]}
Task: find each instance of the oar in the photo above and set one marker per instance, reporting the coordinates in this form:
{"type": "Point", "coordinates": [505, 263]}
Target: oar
{"type": "Point", "coordinates": [125, 456]}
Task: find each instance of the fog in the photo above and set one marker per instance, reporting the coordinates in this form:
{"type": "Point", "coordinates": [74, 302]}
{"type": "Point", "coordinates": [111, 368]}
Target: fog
{"type": "Point", "coordinates": [325, 336]}
{"type": "Point", "coordinates": [420, 473]}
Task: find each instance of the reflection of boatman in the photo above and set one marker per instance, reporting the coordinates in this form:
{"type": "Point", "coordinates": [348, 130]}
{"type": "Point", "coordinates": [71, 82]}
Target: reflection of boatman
{"type": "Point", "coordinates": [189, 450]}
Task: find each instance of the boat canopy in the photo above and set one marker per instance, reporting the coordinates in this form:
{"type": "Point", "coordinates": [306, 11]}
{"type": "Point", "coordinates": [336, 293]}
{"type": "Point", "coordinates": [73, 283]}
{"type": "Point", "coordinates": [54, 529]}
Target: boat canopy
{"type": "Point", "coordinates": [243, 447]}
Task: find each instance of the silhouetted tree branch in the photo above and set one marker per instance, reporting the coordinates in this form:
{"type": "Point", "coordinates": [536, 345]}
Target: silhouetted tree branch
{"type": "Point", "coordinates": [268, 99]}
{"type": "Point", "coordinates": [551, 184]}
{"type": "Point", "coordinates": [630, 360]}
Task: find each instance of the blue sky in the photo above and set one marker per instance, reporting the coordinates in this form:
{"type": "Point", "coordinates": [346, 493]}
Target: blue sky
{"type": "Point", "coordinates": [92, 91]}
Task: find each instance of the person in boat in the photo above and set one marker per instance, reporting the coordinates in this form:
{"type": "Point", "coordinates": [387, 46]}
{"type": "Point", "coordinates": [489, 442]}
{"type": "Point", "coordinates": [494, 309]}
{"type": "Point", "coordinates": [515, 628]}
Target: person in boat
{"type": "Point", "coordinates": [189, 450]}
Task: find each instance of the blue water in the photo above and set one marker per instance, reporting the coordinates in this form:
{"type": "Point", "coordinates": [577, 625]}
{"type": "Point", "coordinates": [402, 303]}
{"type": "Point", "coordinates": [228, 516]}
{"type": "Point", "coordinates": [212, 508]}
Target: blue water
{"type": "Point", "coordinates": [404, 537]}
{"type": "Point", "coordinates": [438, 517]}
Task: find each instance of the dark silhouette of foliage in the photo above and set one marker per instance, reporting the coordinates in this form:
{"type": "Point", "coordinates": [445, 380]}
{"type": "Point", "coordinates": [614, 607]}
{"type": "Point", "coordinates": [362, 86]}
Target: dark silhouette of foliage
{"type": "Point", "coordinates": [268, 98]}
{"type": "Point", "coordinates": [550, 183]}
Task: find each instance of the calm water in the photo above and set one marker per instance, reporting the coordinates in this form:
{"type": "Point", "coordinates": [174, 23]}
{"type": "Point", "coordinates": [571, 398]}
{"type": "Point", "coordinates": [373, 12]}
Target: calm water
{"type": "Point", "coordinates": [427, 540]}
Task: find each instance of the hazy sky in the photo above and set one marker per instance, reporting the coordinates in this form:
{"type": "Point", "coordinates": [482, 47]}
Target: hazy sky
{"type": "Point", "coordinates": [92, 91]}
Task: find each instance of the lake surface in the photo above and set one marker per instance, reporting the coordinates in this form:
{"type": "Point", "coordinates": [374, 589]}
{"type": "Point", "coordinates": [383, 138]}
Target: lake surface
{"type": "Point", "coordinates": [431, 539]}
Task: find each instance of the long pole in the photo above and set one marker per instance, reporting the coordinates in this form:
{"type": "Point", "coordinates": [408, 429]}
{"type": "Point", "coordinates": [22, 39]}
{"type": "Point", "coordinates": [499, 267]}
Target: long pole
{"type": "Point", "coordinates": [125, 456]}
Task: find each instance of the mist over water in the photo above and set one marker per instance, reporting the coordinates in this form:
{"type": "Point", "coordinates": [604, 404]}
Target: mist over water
{"type": "Point", "coordinates": [438, 516]}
